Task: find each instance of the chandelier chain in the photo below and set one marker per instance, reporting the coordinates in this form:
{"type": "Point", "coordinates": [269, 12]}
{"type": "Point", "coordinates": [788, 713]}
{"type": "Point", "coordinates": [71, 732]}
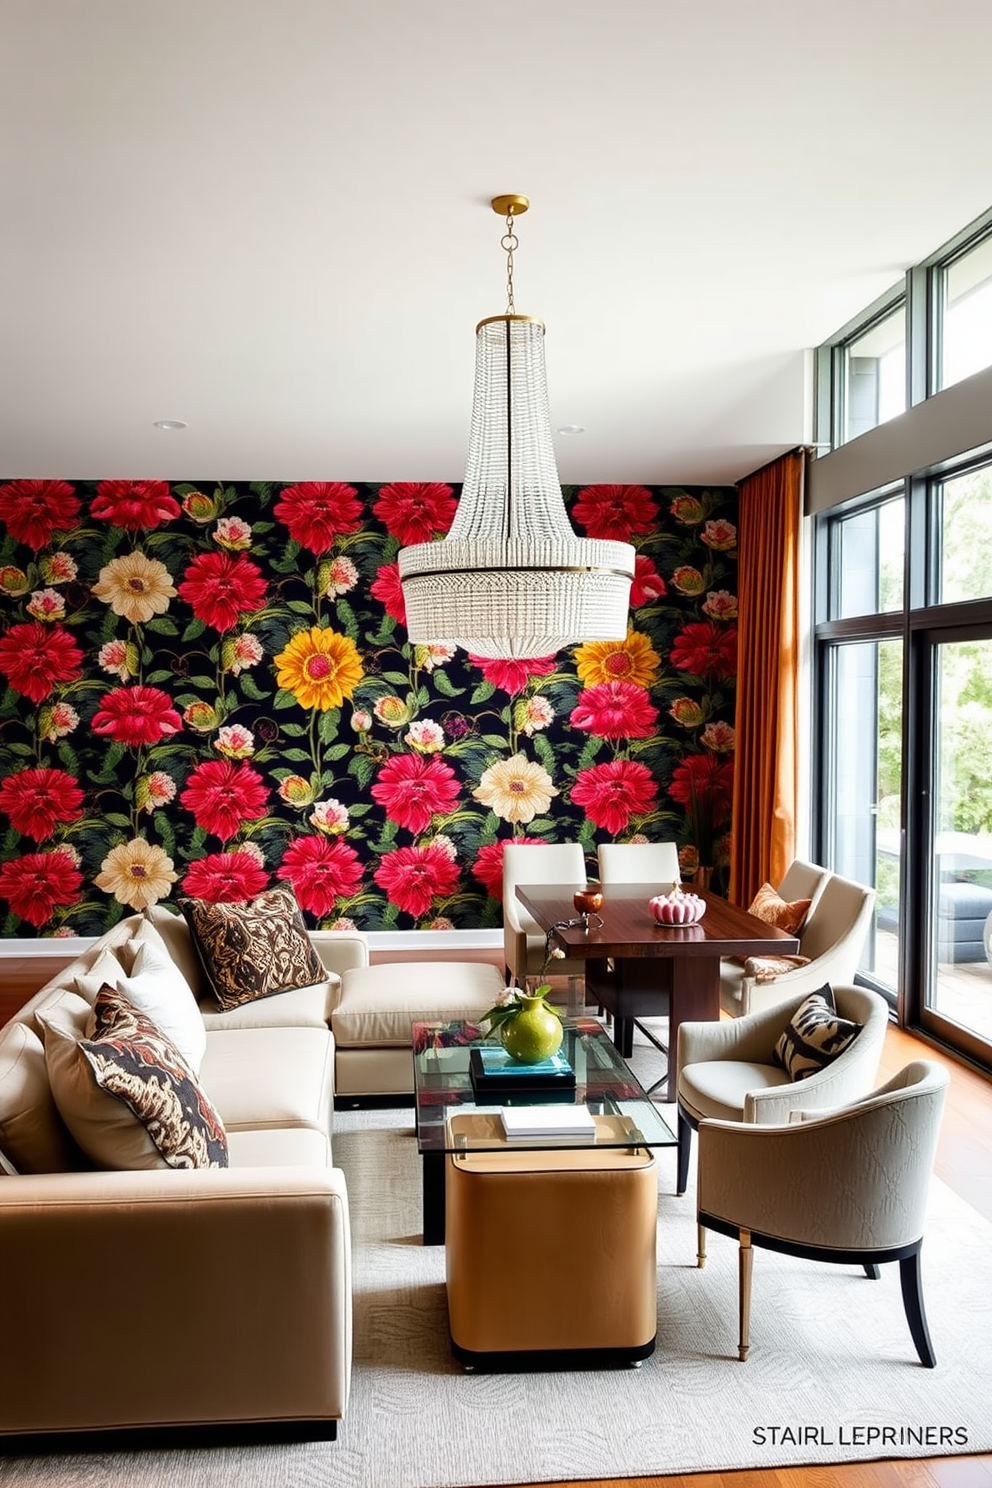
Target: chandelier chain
{"type": "Point", "coordinates": [509, 243]}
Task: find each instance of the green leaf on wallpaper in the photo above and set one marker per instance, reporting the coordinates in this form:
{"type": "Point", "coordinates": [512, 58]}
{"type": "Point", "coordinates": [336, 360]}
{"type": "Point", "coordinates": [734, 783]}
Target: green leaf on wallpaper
{"type": "Point", "coordinates": [383, 635]}
{"type": "Point", "coordinates": [362, 767]}
{"type": "Point", "coordinates": [250, 688]}
{"type": "Point", "coordinates": [590, 750]}
{"type": "Point", "coordinates": [495, 741]}
{"type": "Point", "coordinates": [387, 837]}
{"type": "Point", "coordinates": [347, 619]}
{"type": "Point", "coordinates": [299, 606]}
{"type": "Point", "coordinates": [544, 752]}
{"type": "Point", "coordinates": [117, 819]}
{"type": "Point", "coordinates": [166, 832]}
{"type": "Point", "coordinates": [296, 755]}
{"type": "Point", "coordinates": [482, 693]}
{"type": "Point", "coordinates": [263, 489]}
{"type": "Point", "coordinates": [162, 625]}
{"type": "Point", "coordinates": [398, 679]}
{"type": "Point", "coordinates": [293, 730]}
{"type": "Point", "coordinates": [202, 683]}
{"type": "Point", "coordinates": [329, 726]}
{"type": "Point", "coordinates": [337, 751]}
{"type": "Point", "coordinates": [194, 630]}
{"type": "Point", "coordinates": [161, 674]}
{"type": "Point", "coordinates": [115, 753]}
{"type": "Point", "coordinates": [443, 684]}
{"type": "Point", "coordinates": [284, 700]}
{"type": "Point", "coordinates": [24, 750]}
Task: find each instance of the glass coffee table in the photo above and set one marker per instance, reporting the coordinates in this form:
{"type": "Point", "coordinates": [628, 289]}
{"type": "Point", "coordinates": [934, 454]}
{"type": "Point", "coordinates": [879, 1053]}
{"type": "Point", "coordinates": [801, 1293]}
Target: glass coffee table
{"type": "Point", "coordinates": [625, 1115]}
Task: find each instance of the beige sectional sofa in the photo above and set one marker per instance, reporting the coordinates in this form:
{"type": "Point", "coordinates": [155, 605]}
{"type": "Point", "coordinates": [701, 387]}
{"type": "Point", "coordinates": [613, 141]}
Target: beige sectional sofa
{"type": "Point", "coordinates": [206, 1300]}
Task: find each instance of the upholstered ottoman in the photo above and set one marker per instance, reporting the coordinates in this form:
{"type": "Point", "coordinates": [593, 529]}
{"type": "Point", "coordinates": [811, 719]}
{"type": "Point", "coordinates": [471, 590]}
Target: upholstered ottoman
{"type": "Point", "coordinates": [373, 1020]}
{"type": "Point", "coordinates": [551, 1256]}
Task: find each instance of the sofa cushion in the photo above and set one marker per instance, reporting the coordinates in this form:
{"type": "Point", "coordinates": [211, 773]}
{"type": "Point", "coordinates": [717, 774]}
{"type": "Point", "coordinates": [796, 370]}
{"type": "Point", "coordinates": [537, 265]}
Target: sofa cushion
{"type": "Point", "coordinates": [770, 968]}
{"type": "Point", "coordinates": [717, 1087]}
{"type": "Point", "coordinates": [303, 1007]}
{"type": "Point", "coordinates": [33, 1136]}
{"type": "Point", "coordinates": [106, 970]}
{"type": "Point", "coordinates": [769, 906]}
{"type": "Point", "coordinates": [280, 1147]}
{"type": "Point", "coordinates": [156, 986]}
{"type": "Point", "coordinates": [379, 1004]}
{"type": "Point", "coordinates": [814, 1036]}
{"type": "Point", "coordinates": [253, 948]}
{"type": "Point", "coordinates": [126, 1094]}
{"type": "Point", "coordinates": [179, 942]}
{"type": "Point", "coordinates": [269, 1077]}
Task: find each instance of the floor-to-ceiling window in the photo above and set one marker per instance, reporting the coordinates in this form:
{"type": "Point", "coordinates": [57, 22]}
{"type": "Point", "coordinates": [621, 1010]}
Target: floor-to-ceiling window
{"type": "Point", "coordinates": [903, 641]}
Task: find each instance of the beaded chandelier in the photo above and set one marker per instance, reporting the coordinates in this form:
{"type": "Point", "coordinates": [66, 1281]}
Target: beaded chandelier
{"type": "Point", "coordinates": [511, 578]}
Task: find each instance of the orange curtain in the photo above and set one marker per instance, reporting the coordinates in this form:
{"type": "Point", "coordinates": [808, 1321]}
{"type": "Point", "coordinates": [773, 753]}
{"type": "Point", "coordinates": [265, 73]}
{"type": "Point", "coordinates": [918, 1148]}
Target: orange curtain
{"type": "Point", "coordinates": [767, 724]}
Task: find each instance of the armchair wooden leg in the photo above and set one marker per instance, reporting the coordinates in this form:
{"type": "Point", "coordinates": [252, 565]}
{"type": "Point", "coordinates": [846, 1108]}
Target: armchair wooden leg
{"type": "Point", "coordinates": [911, 1280]}
{"type": "Point", "coordinates": [700, 1246]}
{"type": "Point", "coordinates": [872, 1271]}
{"type": "Point", "coordinates": [745, 1260]}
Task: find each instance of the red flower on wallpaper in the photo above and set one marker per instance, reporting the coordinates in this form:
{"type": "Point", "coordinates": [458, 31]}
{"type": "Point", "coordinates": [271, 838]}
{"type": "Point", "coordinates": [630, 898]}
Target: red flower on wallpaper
{"type": "Point", "coordinates": [36, 658]}
{"type": "Point", "coordinates": [316, 512]}
{"type": "Point", "coordinates": [320, 872]}
{"type": "Point", "coordinates": [136, 715]}
{"type": "Point", "coordinates": [616, 710]}
{"type": "Point", "coordinates": [414, 876]}
{"type": "Point", "coordinates": [611, 794]}
{"type": "Point", "coordinates": [221, 587]}
{"type": "Point", "coordinates": [616, 511]}
{"type": "Point", "coordinates": [225, 878]}
{"type": "Point", "coordinates": [414, 788]}
{"type": "Point", "coordinates": [37, 800]}
{"type": "Point", "coordinates": [705, 786]}
{"type": "Point", "coordinates": [647, 584]}
{"type": "Point", "coordinates": [221, 795]}
{"type": "Point", "coordinates": [134, 504]}
{"type": "Point", "coordinates": [386, 588]}
{"type": "Point", "coordinates": [36, 884]}
{"type": "Point", "coordinates": [415, 511]}
{"type": "Point", "coordinates": [34, 509]}
{"type": "Point", "coordinates": [510, 675]}
{"type": "Point", "coordinates": [706, 650]}
{"type": "Point", "coordinates": [488, 865]}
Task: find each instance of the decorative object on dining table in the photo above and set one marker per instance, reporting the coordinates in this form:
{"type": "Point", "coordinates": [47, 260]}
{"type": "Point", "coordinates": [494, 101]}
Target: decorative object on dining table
{"type": "Point", "coordinates": [587, 901]}
{"type": "Point", "coordinates": [677, 907]}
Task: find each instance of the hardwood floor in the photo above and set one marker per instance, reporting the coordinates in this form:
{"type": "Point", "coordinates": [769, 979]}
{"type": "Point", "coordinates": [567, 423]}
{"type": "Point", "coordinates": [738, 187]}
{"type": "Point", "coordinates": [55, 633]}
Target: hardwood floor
{"type": "Point", "coordinates": [964, 1163]}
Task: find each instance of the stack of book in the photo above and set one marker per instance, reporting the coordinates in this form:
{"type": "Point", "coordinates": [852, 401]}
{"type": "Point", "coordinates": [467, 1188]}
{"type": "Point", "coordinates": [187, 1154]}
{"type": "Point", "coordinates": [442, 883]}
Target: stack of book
{"type": "Point", "coordinates": [533, 1123]}
{"type": "Point", "coordinates": [494, 1072]}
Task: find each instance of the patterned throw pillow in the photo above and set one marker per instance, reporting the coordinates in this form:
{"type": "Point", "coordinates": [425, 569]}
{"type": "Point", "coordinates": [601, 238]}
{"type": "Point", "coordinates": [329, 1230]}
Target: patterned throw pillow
{"type": "Point", "coordinates": [769, 968]}
{"type": "Point", "coordinates": [132, 1059]}
{"type": "Point", "coordinates": [815, 1036]}
{"type": "Point", "coordinates": [774, 910]}
{"type": "Point", "coordinates": [254, 947]}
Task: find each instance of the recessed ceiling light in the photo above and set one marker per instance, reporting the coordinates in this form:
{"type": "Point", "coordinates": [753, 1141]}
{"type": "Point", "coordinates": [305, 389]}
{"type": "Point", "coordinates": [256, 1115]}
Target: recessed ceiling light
{"type": "Point", "coordinates": [170, 424]}
{"type": "Point", "coordinates": [572, 429]}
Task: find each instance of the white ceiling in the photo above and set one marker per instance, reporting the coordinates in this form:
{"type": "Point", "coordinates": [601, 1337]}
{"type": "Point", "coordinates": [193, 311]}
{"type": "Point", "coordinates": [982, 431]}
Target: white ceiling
{"type": "Point", "coordinates": [270, 219]}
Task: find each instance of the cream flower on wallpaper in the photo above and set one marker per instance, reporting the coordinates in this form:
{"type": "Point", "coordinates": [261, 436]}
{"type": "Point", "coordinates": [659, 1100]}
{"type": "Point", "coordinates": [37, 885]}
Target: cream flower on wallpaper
{"type": "Point", "coordinates": [137, 873]}
{"type": "Point", "coordinates": [136, 587]}
{"type": "Point", "coordinates": [516, 789]}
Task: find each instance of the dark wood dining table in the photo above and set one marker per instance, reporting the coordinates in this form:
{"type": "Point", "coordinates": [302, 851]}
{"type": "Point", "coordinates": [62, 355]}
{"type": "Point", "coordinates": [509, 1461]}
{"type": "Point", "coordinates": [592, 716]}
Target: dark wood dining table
{"type": "Point", "coordinates": [636, 968]}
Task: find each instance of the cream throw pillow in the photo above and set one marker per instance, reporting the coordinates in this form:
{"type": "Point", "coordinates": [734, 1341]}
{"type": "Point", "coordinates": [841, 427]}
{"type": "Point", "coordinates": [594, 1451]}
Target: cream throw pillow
{"type": "Point", "coordinates": [157, 988]}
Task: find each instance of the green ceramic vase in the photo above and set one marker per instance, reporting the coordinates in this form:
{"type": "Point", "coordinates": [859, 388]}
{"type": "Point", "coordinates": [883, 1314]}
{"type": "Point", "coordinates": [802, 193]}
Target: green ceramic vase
{"type": "Point", "coordinates": [534, 1034]}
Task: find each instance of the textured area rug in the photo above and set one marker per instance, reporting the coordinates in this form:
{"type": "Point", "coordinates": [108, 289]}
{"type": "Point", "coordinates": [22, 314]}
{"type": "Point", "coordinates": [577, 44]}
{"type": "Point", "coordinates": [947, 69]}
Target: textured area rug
{"type": "Point", "coordinates": [832, 1374]}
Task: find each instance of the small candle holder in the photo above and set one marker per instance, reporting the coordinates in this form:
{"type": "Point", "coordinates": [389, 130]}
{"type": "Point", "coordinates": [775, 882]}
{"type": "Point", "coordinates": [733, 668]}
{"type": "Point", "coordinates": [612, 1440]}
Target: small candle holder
{"type": "Point", "coordinates": [588, 902]}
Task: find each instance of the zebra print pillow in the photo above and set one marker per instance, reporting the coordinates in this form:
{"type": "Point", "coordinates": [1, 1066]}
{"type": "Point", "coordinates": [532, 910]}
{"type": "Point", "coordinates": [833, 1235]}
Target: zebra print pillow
{"type": "Point", "coordinates": [816, 1034]}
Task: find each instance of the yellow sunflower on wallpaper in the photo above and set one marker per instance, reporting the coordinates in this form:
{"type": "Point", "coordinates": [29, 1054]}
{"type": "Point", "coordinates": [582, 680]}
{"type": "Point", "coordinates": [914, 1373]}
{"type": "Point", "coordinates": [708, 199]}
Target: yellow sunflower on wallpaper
{"type": "Point", "coordinates": [633, 659]}
{"type": "Point", "coordinates": [320, 668]}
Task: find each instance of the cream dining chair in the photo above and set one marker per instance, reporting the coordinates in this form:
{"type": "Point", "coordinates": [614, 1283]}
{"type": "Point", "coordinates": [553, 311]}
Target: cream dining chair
{"type": "Point", "coordinates": [655, 863]}
{"type": "Point", "coordinates": [847, 1186]}
{"type": "Point", "coordinates": [523, 938]}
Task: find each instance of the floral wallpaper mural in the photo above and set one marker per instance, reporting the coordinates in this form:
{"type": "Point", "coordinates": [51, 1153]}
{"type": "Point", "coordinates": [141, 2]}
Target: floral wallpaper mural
{"type": "Point", "coordinates": [207, 689]}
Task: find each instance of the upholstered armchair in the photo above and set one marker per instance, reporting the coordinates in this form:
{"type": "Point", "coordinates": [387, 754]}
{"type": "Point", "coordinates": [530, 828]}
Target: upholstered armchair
{"type": "Point", "coordinates": [848, 1186]}
{"type": "Point", "coordinates": [523, 938]}
{"type": "Point", "coordinates": [727, 1069]}
{"type": "Point", "coordinates": [832, 940]}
